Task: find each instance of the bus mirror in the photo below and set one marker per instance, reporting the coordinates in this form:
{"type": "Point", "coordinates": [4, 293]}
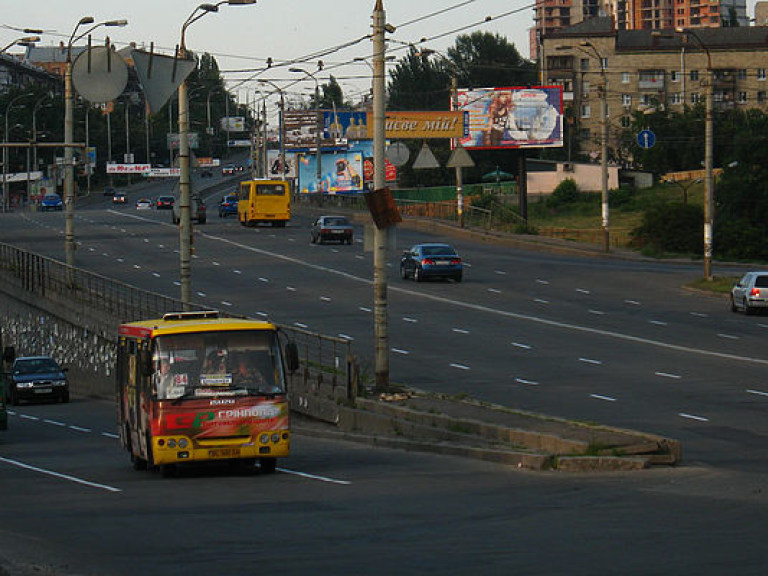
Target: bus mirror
{"type": "Point", "coordinates": [9, 354]}
{"type": "Point", "coordinates": [145, 363]}
{"type": "Point", "coordinates": [292, 356]}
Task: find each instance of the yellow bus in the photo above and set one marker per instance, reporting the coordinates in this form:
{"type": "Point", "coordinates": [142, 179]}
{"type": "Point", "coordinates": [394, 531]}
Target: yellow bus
{"type": "Point", "coordinates": [264, 201]}
{"type": "Point", "coordinates": [194, 387]}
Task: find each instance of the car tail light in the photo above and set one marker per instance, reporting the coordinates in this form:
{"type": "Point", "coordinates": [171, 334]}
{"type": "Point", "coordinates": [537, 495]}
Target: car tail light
{"type": "Point", "coordinates": [455, 261]}
{"type": "Point", "coordinates": [427, 261]}
{"type": "Point", "coordinates": [754, 292]}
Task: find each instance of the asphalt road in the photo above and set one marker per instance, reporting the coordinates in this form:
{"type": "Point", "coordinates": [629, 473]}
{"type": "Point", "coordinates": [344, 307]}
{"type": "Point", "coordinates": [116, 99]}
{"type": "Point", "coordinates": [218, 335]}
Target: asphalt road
{"type": "Point", "coordinates": [610, 341]}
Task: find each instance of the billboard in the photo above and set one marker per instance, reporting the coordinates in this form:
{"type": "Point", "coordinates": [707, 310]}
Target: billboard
{"type": "Point", "coordinates": [340, 172]}
{"type": "Point", "coordinates": [513, 117]}
{"type": "Point", "coordinates": [273, 162]}
{"type": "Point", "coordinates": [344, 125]}
{"type": "Point", "coordinates": [454, 124]}
{"type": "Point", "coordinates": [233, 124]}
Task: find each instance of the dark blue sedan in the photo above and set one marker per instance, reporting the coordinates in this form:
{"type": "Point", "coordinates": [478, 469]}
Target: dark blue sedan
{"type": "Point", "coordinates": [424, 261]}
{"type": "Point", "coordinates": [51, 202]}
{"type": "Point", "coordinates": [228, 206]}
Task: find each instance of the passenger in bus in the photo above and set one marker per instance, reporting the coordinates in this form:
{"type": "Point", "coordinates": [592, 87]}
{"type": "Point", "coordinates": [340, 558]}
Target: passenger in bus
{"type": "Point", "coordinates": [163, 378]}
{"type": "Point", "coordinates": [215, 363]}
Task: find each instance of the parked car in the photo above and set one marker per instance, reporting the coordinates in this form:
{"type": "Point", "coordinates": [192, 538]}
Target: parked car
{"type": "Point", "coordinates": [333, 228]}
{"type": "Point", "coordinates": [143, 204]}
{"type": "Point", "coordinates": [424, 261]}
{"type": "Point", "coordinates": [197, 209]}
{"type": "Point", "coordinates": [51, 201]}
{"type": "Point", "coordinates": [164, 202]}
{"type": "Point", "coordinates": [37, 377]}
{"type": "Point", "coordinates": [228, 206]}
{"type": "Point", "coordinates": [750, 293]}
{"type": "Point", "coordinates": [118, 198]}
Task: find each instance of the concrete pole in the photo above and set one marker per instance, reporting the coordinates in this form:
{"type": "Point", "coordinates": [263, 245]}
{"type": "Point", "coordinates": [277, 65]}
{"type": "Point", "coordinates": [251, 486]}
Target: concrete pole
{"type": "Point", "coordinates": [709, 183]}
{"type": "Point", "coordinates": [185, 222]}
{"type": "Point", "coordinates": [318, 139]}
{"type": "Point", "coordinates": [604, 161]}
{"type": "Point", "coordinates": [381, 237]}
{"type": "Point", "coordinates": [69, 174]}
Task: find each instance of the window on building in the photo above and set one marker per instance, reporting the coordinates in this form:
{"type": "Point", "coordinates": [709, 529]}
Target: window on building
{"type": "Point", "coordinates": [676, 98]}
{"type": "Point", "coordinates": [694, 76]}
{"type": "Point", "coordinates": [626, 100]}
{"type": "Point", "coordinates": [742, 97]}
{"type": "Point", "coordinates": [586, 111]}
{"type": "Point", "coordinates": [761, 96]}
{"type": "Point", "coordinates": [674, 76]}
{"type": "Point", "coordinates": [695, 98]}
{"type": "Point", "coordinates": [604, 63]}
{"type": "Point", "coordinates": [626, 121]}
{"type": "Point", "coordinates": [719, 96]}
{"type": "Point", "coordinates": [585, 63]}
{"type": "Point", "coordinates": [626, 77]}
{"type": "Point", "coordinates": [761, 74]}
{"type": "Point", "coordinates": [585, 87]}
{"type": "Point", "coordinates": [741, 74]}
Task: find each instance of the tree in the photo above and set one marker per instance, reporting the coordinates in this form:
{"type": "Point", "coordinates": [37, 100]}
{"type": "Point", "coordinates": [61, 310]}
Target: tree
{"type": "Point", "coordinates": [332, 95]}
{"type": "Point", "coordinates": [482, 59]}
{"type": "Point", "coordinates": [419, 83]}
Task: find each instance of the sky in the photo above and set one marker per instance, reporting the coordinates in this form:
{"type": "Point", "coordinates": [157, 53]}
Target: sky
{"type": "Point", "coordinates": [243, 37]}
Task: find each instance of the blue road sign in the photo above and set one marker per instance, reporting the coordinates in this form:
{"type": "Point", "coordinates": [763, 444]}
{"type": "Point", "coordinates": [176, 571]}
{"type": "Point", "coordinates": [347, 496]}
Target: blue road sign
{"type": "Point", "coordinates": [646, 139]}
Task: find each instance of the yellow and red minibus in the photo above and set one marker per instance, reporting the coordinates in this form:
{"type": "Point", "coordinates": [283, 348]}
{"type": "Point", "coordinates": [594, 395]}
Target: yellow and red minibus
{"type": "Point", "coordinates": [194, 387]}
{"type": "Point", "coordinates": [264, 202]}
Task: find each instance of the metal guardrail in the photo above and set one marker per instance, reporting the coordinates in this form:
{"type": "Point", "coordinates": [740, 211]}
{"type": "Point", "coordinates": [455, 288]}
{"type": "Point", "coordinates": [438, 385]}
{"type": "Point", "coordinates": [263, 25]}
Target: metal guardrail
{"type": "Point", "coordinates": [327, 365]}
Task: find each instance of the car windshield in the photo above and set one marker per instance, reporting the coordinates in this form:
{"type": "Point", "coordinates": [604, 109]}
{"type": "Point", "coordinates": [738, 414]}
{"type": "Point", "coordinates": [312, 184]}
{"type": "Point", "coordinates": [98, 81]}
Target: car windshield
{"type": "Point", "coordinates": [438, 251]}
{"type": "Point", "coordinates": [238, 363]}
{"type": "Point", "coordinates": [336, 221]}
{"type": "Point", "coordinates": [762, 281]}
{"type": "Point", "coordinates": [35, 366]}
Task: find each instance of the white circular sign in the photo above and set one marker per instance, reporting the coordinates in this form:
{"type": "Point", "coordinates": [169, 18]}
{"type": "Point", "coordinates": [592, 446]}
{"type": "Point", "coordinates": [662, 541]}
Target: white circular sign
{"type": "Point", "coordinates": [99, 75]}
{"type": "Point", "coordinates": [398, 153]}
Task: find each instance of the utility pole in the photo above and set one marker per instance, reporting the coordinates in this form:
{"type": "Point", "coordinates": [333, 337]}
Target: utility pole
{"type": "Point", "coordinates": [381, 236]}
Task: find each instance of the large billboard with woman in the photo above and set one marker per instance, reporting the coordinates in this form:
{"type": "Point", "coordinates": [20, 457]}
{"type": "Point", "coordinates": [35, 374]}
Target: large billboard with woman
{"type": "Point", "coordinates": [512, 117]}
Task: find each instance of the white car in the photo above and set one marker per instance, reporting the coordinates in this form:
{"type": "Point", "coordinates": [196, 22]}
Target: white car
{"type": "Point", "coordinates": [750, 293]}
{"type": "Point", "coordinates": [143, 204]}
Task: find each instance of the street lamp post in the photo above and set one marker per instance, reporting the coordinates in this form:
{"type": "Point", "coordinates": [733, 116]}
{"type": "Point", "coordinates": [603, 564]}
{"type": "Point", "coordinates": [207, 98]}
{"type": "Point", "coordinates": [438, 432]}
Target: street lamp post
{"type": "Point", "coordinates": [69, 102]}
{"type": "Point", "coordinates": [709, 182]}
{"type": "Point", "coordinates": [25, 41]}
{"type": "Point", "coordinates": [318, 128]}
{"type": "Point", "coordinates": [185, 225]}
{"type": "Point", "coordinates": [282, 126]}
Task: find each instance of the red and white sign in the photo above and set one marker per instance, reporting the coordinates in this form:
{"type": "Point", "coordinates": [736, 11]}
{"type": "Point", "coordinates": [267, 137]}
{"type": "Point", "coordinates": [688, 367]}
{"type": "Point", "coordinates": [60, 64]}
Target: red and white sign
{"type": "Point", "coordinates": [128, 168]}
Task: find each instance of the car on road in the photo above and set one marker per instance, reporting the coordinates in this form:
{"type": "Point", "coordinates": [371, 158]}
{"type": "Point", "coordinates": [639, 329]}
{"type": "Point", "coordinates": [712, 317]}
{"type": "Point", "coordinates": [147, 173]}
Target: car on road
{"type": "Point", "coordinates": [228, 206]}
{"type": "Point", "coordinates": [118, 198]}
{"type": "Point", "coordinates": [332, 228]}
{"type": "Point", "coordinates": [197, 209]}
{"type": "Point", "coordinates": [164, 202]}
{"type": "Point", "coordinates": [750, 293]}
{"type": "Point", "coordinates": [37, 378]}
{"type": "Point", "coordinates": [109, 191]}
{"type": "Point", "coordinates": [433, 260]}
{"type": "Point", "coordinates": [51, 201]}
{"type": "Point", "coordinates": [228, 170]}
{"type": "Point", "coordinates": [206, 173]}
{"type": "Point", "coordinates": [143, 204]}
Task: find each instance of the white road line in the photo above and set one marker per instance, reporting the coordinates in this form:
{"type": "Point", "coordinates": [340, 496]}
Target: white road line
{"type": "Point", "coordinates": [494, 291]}
{"type": "Point", "coordinates": [632, 302]}
{"type": "Point", "coordinates": [729, 336]}
{"type": "Point", "coordinates": [597, 312]}
{"type": "Point", "coordinates": [521, 345]}
{"type": "Point", "coordinates": [699, 314]}
{"type": "Point", "coordinates": [28, 417]}
{"type": "Point", "coordinates": [668, 375]}
{"type": "Point", "coordinates": [137, 267]}
{"type": "Point", "coordinates": [111, 435]}
{"type": "Point", "coordinates": [201, 294]}
{"type": "Point", "coordinates": [692, 417]}
{"type": "Point", "coordinates": [314, 477]}
{"type": "Point", "coordinates": [215, 263]}
{"type": "Point", "coordinates": [155, 274]}
{"type": "Point", "coordinates": [541, 301]}
{"type": "Point", "coordinates": [346, 337]}
{"type": "Point", "coordinates": [78, 428]}
{"type": "Point", "coordinates": [225, 303]}
{"type": "Point", "coordinates": [601, 397]}
{"type": "Point", "coordinates": [54, 422]}
{"type": "Point", "coordinates": [290, 289]}
{"type": "Point", "coordinates": [325, 298]}
{"type": "Point", "coordinates": [237, 271]}
{"type": "Point", "coordinates": [526, 382]}
{"type": "Point", "coordinates": [583, 291]}
{"type": "Point", "coordinates": [400, 351]}
{"type": "Point", "coordinates": [411, 320]}
{"type": "Point", "coordinates": [262, 279]}
{"type": "Point", "coordinates": [460, 331]}
{"type": "Point", "coordinates": [500, 272]}
{"type": "Point", "coordinates": [59, 475]}
{"type": "Point", "coordinates": [300, 325]}
{"type": "Point", "coordinates": [591, 361]}
{"type": "Point", "coordinates": [658, 323]}
{"type": "Point", "coordinates": [459, 366]}
{"type": "Point", "coordinates": [364, 309]}
{"type": "Point", "coordinates": [542, 281]}
{"type": "Point", "coordinates": [757, 392]}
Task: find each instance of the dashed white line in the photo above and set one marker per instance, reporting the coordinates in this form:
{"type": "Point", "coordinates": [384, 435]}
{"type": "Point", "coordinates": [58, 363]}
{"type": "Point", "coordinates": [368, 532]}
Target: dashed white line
{"type": "Point", "coordinates": [110, 435]}
{"type": "Point", "coordinates": [325, 299]}
{"type": "Point", "coordinates": [521, 345]}
{"type": "Point", "coordinates": [290, 288]}
{"type": "Point", "coordinates": [237, 271]}
{"type": "Point", "coordinates": [541, 301]}
{"type": "Point", "coordinates": [583, 291]}
{"type": "Point", "coordinates": [400, 351]}
{"type": "Point", "coordinates": [757, 392]}
{"type": "Point", "coordinates": [364, 309]}
{"type": "Point", "coordinates": [301, 325]}
{"type": "Point", "coordinates": [597, 312]}
{"type": "Point", "coordinates": [411, 320]}
{"type": "Point", "coordinates": [346, 337]}
{"type": "Point", "coordinates": [315, 477]}
{"type": "Point", "coordinates": [262, 279]}
{"type": "Point", "coordinates": [668, 375]}
{"type": "Point", "coordinates": [500, 272]}
{"type": "Point", "coordinates": [632, 302]}
{"type": "Point", "coordinates": [78, 428]}
{"type": "Point", "coordinates": [54, 422]}
{"type": "Point", "coordinates": [460, 331]}
{"type": "Point", "coordinates": [494, 290]}
{"type": "Point", "coordinates": [658, 322]}
{"type": "Point", "coordinates": [155, 274]}
{"type": "Point", "coordinates": [59, 475]}
{"type": "Point", "coordinates": [526, 382]}
{"type": "Point", "coordinates": [591, 361]}
{"type": "Point", "coordinates": [729, 336]}
{"type": "Point", "coordinates": [459, 366]}
{"type": "Point", "coordinates": [542, 281]}
{"type": "Point", "coordinates": [601, 397]}
{"type": "Point", "coordinates": [201, 294]}
{"type": "Point", "coordinates": [693, 417]}
{"type": "Point", "coordinates": [699, 314]}
{"type": "Point", "coordinates": [226, 303]}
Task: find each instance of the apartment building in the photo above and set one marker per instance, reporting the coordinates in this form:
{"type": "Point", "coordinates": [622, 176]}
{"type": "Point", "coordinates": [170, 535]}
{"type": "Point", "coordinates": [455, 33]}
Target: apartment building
{"type": "Point", "coordinates": [647, 70]}
{"type": "Point", "coordinates": [553, 15]}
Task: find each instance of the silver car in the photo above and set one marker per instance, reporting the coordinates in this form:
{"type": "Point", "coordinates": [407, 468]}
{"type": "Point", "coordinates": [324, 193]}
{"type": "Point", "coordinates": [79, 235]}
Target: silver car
{"type": "Point", "coordinates": [750, 293]}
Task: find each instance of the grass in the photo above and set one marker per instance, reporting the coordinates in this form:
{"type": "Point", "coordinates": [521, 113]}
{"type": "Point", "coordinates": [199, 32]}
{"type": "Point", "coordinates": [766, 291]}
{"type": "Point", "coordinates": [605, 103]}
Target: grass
{"type": "Point", "coordinates": [718, 284]}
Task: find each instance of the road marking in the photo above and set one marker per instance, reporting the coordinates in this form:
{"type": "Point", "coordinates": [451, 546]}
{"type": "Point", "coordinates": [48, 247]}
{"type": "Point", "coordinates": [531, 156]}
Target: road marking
{"type": "Point", "coordinates": [346, 337]}
{"type": "Point", "coordinates": [225, 303]}
{"type": "Point", "coordinates": [59, 475]}
{"type": "Point", "coordinates": [201, 294]}
{"type": "Point", "coordinates": [591, 361]}
{"type": "Point", "coordinates": [500, 272]}
{"type": "Point", "coordinates": [215, 263]}
{"type": "Point", "coordinates": [400, 351]}
{"type": "Point", "coordinates": [411, 320]}
{"type": "Point", "coordinates": [237, 271]}
{"type": "Point", "coordinates": [542, 282]}
{"type": "Point", "coordinates": [729, 336]}
{"type": "Point", "coordinates": [28, 417]}
{"type": "Point", "coordinates": [78, 428]}
{"type": "Point", "coordinates": [699, 314]}
{"type": "Point", "coordinates": [300, 325]}
{"type": "Point", "coordinates": [315, 477]}
{"type": "Point", "coordinates": [692, 417]}
{"type": "Point", "coordinates": [54, 422]}
{"type": "Point", "coordinates": [583, 291]}
{"type": "Point", "coordinates": [541, 301]}
{"type": "Point", "coordinates": [262, 279]}
{"type": "Point", "coordinates": [137, 267]}
{"type": "Point", "coordinates": [668, 375]}
{"type": "Point", "coordinates": [658, 323]}
{"type": "Point", "coordinates": [632, 302]}
{"type": "Point", "coordinates": [290, 289]}
{"type": "Point", "coordinates": [526, 382]}
{"type": "Point", "coordinates": [601, 397]}
{"type": "Point", "coordinates": [459, 366]}
{"type": "Point", "coordinates": [364, 309]}
{"type": "Point", "coordinates": [155, 274]}
{"type": "Point", "coordinates": [758, 392]}
{"type": "Point", "coordinates": [460, 331]}
{"type": "Point", "coordinates": [494, 290]}
{"type": "Point", "coordinates": [325, 298]}
{"type": "Point", "coordinates": [597, 312]}
{"type": "Point", "coordinates": [111, 435]}
{"type": "Point", "coordinates": [520, 345]}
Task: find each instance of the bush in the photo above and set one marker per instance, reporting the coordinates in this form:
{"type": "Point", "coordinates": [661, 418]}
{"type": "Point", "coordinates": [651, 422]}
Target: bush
{"type": "Point", "coordinates": [565, 192]}
{"type": "Point", "coordinates": [674, 228]}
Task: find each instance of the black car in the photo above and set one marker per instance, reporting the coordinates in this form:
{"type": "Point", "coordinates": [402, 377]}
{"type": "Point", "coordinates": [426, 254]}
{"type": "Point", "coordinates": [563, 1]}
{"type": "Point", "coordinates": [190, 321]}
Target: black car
{"type": "Point", "coordinates": [37, 378]}
{"type": "Point", "coordinates": [434, 260]}
{"type": "Point", "coordinates": [164, 202]}
{"type": "Point", "coordinates": [333, 228]}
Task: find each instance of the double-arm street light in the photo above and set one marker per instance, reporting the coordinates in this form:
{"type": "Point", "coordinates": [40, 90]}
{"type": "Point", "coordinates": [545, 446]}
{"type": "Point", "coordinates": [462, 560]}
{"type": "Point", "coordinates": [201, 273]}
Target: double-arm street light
{"type": "Point", "coordinates": [6, 199]}
{"type": "Point", "coordinates": [282, 125]}
{"type": "Point", "coordinates": [185, 226]}
{"type": "Point", "coordinates": [318, 128]}
{"type": "Point", "coordinates": [709, 182]}
{"type": "Point", "coordinates": [25, 41]}
{"type": "Point", "coordinates": [69, 169]}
